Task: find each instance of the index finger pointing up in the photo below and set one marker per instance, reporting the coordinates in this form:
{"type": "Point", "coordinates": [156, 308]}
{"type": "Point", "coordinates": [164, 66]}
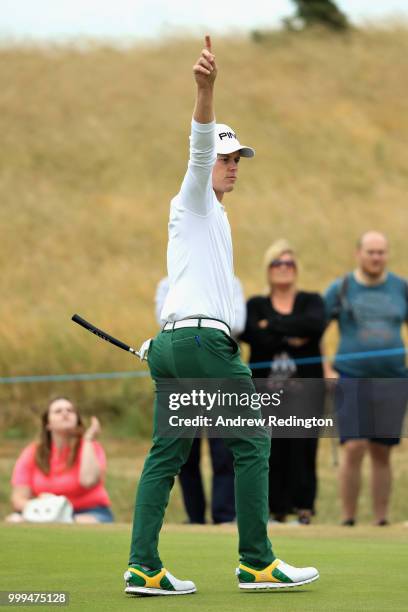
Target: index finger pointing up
{"type": "Point", "coordinates": [208, 43]}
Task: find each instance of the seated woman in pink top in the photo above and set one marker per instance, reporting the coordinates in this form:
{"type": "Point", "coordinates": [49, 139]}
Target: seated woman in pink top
{"type": "Point", "coordinates": [66, 461]}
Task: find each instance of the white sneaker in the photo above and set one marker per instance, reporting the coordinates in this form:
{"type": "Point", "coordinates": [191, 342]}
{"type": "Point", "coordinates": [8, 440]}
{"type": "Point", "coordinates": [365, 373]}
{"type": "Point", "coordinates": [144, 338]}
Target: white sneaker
{"type": "Point", "coordinates": [276, 575]}
{"type": "Point", "coordinates": [155, 582]}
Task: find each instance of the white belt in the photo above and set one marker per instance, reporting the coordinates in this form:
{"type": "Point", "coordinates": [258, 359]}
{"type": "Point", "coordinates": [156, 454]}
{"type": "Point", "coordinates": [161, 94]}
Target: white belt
{"type": "Point", "coordinates": [197, 323]}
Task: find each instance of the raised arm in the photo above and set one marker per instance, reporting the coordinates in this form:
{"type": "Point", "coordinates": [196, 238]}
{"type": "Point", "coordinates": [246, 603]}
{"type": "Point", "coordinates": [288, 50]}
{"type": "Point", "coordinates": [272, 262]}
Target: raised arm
{"type": "Point", "coordinates": [196, 190]}
{"type": "Point", "coordinates": [90, 469]}
{"type": "Point", "coordinates": [205, 72]}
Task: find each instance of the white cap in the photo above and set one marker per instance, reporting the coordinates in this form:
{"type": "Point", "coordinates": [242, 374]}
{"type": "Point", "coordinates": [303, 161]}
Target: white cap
{"type": "Point", "coordinates": [227, 142]}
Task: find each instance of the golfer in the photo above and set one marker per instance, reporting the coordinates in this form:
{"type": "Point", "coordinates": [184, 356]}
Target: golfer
{"type": "Point", "coordinates": [196, 343]}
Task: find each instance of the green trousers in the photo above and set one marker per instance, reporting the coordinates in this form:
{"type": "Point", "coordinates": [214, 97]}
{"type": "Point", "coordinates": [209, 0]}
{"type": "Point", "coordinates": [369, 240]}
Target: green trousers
{"type": "Point", "coordinates": [201, 353]}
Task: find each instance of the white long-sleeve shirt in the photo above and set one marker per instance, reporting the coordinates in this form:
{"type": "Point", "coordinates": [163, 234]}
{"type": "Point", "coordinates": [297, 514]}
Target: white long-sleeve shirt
{"type": "Point", "coordinates": [199, 252]}
{"type": "Point", "coordinates": [162, 290]}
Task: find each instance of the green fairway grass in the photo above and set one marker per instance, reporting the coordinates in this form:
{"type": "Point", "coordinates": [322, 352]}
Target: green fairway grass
{"type": "Point", "coordinates": [361, 569]}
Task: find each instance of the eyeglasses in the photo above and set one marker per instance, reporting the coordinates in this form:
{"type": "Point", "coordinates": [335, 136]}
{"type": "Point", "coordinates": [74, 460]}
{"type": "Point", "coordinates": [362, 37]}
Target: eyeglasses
{"type": "Point", "coordinates": [280, 263]}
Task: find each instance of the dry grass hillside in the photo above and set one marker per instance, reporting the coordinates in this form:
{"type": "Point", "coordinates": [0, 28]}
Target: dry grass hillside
{"type": "Point", "coordinates": [94, 144]}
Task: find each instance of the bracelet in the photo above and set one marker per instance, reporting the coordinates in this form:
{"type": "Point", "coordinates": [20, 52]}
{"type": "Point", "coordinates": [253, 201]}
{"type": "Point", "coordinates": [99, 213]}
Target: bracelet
{"type": "Point", "coordinates": [88, 438]}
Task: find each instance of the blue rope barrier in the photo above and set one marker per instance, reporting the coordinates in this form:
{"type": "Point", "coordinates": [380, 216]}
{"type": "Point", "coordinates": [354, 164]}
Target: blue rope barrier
{"type": "Point", "coordinates": [69, 377]}
{"type": "Point", "coordinates": [7, 380]}
{"type": "Point", "coordinates": [343, 357]}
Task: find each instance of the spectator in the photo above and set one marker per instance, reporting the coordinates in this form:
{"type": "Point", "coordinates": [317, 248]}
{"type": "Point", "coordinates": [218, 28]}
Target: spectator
{"type": "Point", "coordinates": [66, 461]}
{"type": "Point", "coordinates": [222, 498]}
{"type": "Point", "coordinates": [370, 306]}
{"type": "Point", "coordinates": [282, 327]}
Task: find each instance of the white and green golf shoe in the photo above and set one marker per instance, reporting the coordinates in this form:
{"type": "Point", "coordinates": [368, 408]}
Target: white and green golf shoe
{"type": "Point", "coordinates": [277, 575]}
{"type": "Point", "coordinates": [140, 581]}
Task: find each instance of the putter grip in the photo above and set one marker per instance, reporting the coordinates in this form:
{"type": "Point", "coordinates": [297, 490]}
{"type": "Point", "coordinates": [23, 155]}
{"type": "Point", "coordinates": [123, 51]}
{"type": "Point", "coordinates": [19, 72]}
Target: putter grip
{"type": "Point", "coordinates": [98, 332]}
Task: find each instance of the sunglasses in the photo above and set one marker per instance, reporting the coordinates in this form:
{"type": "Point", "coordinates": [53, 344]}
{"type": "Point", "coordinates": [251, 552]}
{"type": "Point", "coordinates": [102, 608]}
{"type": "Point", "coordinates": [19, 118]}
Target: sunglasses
{"type": "Point", "coordinates": [280, 263]}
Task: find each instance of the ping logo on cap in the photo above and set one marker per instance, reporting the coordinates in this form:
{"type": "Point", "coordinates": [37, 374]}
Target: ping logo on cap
{"type": "Point", "coordinates": [222, 135]}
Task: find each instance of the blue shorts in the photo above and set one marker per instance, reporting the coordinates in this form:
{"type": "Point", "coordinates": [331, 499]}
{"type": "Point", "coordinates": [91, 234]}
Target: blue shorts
{"type": "Point", "coordinates": [103, 514]}
{"type": "Point", "coordinates": [370, 409]}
